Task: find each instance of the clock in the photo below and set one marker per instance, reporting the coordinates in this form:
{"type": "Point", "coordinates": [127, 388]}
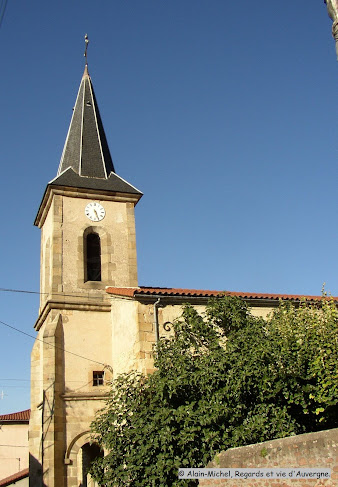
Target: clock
{"type": "Point", "coordinates": [95, 212]}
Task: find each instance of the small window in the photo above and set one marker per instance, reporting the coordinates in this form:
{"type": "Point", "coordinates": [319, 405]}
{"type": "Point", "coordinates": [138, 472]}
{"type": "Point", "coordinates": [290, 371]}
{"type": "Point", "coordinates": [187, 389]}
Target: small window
{"type": "Point", "coordinates": [93, 257]}
{"type": "Point", "coordinates": [98, 378]}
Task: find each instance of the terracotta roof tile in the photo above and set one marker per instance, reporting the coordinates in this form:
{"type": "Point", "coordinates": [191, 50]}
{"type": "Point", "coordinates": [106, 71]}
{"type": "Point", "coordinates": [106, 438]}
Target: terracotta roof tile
{"type": "Point", "coordinates": [20, 416]}
{"type": "Point", "coordinates": [163, 291]}
{"type": "Point", "coordinates": [14, 478]}
{"type": "Point", "coordinates": [122, 291]}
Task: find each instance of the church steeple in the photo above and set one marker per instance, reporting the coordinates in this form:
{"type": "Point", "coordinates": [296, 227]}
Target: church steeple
{"type": "Point", "coordinates": [86, 149]}
{"type": "Point", "coordinates": [86, 163]}
{"type": "Point", "coordinates": [88, 242]}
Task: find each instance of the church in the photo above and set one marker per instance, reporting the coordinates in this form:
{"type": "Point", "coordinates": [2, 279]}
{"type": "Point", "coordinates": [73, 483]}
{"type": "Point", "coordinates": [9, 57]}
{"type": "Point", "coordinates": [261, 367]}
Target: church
{"type": "Point", "coordinates": [94, 320]}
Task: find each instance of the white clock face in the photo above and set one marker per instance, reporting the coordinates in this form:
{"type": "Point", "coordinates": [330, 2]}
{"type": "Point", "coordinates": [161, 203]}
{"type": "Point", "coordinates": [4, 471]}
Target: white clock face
{"type": "Point", "coordinates": [95, 212]}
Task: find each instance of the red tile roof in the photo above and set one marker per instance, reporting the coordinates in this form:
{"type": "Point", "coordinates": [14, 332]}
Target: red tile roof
{"type": "Point", "coordinates": [14, 478]}
{"type": "Point", "coordinates": [20, 416]}
{"type": "Point", "coordinates": [121, 291]}
{"type": "Point", "coordinates": [201, 293]}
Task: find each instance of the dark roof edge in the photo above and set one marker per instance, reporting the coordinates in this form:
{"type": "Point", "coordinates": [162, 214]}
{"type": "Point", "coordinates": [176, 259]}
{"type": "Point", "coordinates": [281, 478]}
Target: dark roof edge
{"type": "Point", "coordinates": [18, 417]}
{"type": "Point", "coordinates": [181, 295]}
{"type": "Point", "coordinates": [14, 478]}
{"type": "Point", "coordinates": [114, 182]}
{"type": "Point", "coordinates": [203, 299]}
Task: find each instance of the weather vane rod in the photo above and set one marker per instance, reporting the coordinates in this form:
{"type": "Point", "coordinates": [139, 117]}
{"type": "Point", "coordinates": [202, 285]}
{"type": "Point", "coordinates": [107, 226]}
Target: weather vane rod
{"type": "Point", "coordinates": [85, 53]}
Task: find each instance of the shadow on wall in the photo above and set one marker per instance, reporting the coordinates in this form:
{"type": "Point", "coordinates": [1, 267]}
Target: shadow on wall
{"type": "Point", "coordinates": [35, 473]}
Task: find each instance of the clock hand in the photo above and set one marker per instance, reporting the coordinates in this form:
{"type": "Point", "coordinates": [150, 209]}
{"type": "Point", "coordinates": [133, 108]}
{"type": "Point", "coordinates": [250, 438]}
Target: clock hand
{"type": "Point", "coordinates": [97, 216]}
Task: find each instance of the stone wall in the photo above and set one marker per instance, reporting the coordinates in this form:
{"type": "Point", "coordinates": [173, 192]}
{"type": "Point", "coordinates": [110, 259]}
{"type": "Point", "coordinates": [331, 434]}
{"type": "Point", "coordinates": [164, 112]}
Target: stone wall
{"type": "Point", "coordinates": [309, 450]}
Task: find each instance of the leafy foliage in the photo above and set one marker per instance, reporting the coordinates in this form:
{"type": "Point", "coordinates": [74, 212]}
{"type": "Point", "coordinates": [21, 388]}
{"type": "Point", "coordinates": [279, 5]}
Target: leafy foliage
{"type": "Point", "coordinates": [224, 379]}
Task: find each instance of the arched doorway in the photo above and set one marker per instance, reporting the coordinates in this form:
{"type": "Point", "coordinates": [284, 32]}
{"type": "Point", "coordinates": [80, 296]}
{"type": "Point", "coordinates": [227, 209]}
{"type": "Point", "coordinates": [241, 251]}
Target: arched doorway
{"type": "Point", "coordinates": [87, 453]}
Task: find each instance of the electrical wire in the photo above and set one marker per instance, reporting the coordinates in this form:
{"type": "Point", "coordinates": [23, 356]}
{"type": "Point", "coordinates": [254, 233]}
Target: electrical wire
{"type": "Point", "coordinates": [53, 346]}
{"type": "Point", "coordinates": [35, 338]}
{"type": "Point", "coordinates": [68, 295]}
{"type": "Point", "coordinates": [3, 289]}
{"type": "Point", "coordinates": [31, 380]}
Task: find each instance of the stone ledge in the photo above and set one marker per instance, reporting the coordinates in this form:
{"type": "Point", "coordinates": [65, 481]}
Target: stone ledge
{"type": "Point", "coordinates": [84, 396]}
{"type": "Point", "coordinates": [79, 305]}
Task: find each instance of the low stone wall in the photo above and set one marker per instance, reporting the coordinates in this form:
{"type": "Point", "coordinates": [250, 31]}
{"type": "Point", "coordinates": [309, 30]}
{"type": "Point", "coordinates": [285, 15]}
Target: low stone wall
{"type": "Point", "coordinates": [309, 450]}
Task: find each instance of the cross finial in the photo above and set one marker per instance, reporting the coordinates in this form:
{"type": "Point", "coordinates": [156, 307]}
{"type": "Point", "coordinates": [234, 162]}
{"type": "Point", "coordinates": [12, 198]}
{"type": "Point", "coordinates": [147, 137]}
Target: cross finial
{"type": "Point", "coordinates": [85, 53]}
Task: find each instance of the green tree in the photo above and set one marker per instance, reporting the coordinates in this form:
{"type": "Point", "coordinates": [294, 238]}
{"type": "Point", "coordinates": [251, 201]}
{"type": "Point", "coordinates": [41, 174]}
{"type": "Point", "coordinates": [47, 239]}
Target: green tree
{"type": "Point", "coordinates": [223, 379]}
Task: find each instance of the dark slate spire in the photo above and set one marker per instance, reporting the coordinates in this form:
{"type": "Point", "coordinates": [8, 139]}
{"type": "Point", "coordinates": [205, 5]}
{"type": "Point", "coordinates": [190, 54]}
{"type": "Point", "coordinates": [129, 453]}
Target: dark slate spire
{"type": "Point", "coordinates": [86, 161]}
{"type": "Point", "coordinates": [86, 149]}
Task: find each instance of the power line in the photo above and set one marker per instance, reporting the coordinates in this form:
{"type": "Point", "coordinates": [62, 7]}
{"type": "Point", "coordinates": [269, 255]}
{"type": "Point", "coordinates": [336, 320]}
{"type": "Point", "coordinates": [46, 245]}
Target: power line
{"type": "Point", "coordinates": [33, 380]}
{"type": "Point", "coordinates": [23, 291]}
{"type": "Point", "coordinates": [68, 294]}
{"type": "Point", "coordinates": [54, 346]}
{"type": "Point", "coordinates": [19, 291]}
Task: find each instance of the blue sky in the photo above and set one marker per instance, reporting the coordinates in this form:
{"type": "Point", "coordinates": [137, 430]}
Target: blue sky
{"type": "Point", "coordinates": [223, 113]}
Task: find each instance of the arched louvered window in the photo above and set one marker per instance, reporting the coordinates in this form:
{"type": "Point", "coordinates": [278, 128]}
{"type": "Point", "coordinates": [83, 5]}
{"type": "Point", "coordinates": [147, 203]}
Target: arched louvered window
{"type": "Point", "coordinates": [93, 257]}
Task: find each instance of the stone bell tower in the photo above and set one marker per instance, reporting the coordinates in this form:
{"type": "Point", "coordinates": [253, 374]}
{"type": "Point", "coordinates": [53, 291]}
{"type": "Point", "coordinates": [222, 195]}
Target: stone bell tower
{"type": "Point", "coordinates": [88, 242]}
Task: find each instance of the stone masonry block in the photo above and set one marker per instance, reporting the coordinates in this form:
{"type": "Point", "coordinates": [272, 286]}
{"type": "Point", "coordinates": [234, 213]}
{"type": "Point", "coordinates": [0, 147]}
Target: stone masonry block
{"type": "Point", "coordinates": [146, 346]}
{"type": "Point", "coordinates": [146, 327]}
{"type": "Point", "coordinates": [150, 337]}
